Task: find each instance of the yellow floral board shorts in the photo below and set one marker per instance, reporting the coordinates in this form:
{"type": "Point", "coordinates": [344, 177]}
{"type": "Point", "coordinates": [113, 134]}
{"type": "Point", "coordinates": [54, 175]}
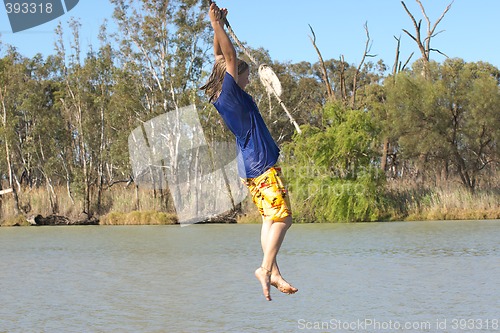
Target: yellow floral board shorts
{"type": "Point", "coordinates": [269, 194]}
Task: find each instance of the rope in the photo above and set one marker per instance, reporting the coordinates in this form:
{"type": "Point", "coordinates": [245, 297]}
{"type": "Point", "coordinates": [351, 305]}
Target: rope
{"type": "Point", "coordinates": [267, 76]}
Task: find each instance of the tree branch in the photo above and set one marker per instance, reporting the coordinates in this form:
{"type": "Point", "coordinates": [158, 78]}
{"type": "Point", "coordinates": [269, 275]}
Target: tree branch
{"type": "Point", "coordinates": [329, 90]}
{"type": "Point", "coordinates": [358, 70]}
{"type": "Point", "coordinates": [407, 61]}
{"type": "Point", "coordinates": [441, 53]}
{"type": "Point", "coordinates": [442, 15]}
{"type": "Point", "coordinates": [396, 60]}
{"type": "Point", "coordinates": [424, 45]}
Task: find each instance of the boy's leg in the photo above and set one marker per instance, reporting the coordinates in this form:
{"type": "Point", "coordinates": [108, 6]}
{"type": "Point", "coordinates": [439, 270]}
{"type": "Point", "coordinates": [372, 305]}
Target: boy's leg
{"type": "Point", "coordinates": [277, 280]}
{"type": "Point", "coordinates": [266, 226]}
{"type": "Point", "coordinates": [269, 194]}
{"type": "Point", "coordinates": [275, 236]}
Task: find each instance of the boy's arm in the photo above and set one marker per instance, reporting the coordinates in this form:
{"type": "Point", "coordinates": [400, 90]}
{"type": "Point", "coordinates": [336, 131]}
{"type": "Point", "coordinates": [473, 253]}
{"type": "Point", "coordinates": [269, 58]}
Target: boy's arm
{"type": "Point", "coordinates": [217, 49]}
{"type": "Point", "coordinates": [222, 44]}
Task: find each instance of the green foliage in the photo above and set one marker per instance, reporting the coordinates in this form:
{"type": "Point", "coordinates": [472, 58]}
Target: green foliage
{"type": "Point", "coordinates": [451, 120]}
{"type": "Point", "coordinates": [332, 173]}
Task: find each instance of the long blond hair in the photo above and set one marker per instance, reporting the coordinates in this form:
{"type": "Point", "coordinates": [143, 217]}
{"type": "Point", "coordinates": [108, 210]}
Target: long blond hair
{"type": "Point", "coordinates": [213, 87]}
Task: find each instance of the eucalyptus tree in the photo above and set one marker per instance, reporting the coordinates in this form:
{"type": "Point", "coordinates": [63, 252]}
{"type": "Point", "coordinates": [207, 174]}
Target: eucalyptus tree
{"type": "Point", "coordinates": [470, 98]}
{"type": "Point", "coordinates": [33, 131]}
{"type": "Point", "coordinates": [12, 78]}
{"type": "Point", "coordinates": [72, 101]}
{"type": "Point", "coordinates": [84, 99]}
{"type": "Point", "coordinates": [390, 149]}
{"type": "Point", "coordinates": [452, 121]}
{"type": "Point", "coordinates": [100, 70]}
{"type": "Point", "coordinates": [162, 47]}
{"type": "Point", "coordinates": [163, 43]}
{"type": "Point", "coordinates": [46, 135]}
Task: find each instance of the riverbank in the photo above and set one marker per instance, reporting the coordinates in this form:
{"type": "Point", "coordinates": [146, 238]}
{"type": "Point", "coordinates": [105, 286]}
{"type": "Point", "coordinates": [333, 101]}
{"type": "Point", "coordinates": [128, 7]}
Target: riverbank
{"type": "Point", "coordinates": [115, 218]}
{"type": "Point", "coordinates": [401, 204]}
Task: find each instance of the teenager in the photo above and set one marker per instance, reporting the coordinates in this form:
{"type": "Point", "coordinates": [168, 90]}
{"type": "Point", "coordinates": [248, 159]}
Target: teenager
{"type": "Point", "coordinates": [257, 151]}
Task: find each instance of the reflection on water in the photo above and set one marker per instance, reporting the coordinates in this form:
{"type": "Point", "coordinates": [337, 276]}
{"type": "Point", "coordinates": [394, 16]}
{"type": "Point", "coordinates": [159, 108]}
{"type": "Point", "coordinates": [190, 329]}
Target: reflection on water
{"type": "Point", "coordinates": [200, 278]}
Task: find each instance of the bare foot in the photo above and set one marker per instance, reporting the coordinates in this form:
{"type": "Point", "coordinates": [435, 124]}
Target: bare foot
{"type": "Point", "coordinates": [282, 285]}
{"type": "Point", "coordinates": [264, 277]}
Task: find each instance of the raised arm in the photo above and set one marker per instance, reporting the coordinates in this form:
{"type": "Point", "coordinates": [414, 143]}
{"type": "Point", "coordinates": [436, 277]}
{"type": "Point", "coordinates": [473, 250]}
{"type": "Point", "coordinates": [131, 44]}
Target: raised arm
{"type": "Point", "coordinates": [223, 47]}
{"type": "Point", "coordinates": [217, 50]}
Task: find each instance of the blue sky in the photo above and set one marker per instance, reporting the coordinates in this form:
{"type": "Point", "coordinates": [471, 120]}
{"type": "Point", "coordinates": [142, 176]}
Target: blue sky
{"type": "Point", "coordinates": [281, 27]}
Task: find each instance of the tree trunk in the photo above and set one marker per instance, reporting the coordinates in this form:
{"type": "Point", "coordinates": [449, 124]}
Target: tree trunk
{"type": "Point", "coordinates": [1, 197]}
{"type": "Point", "coordinates": [137, 202]}
{"type": "Point", "coordinates": [468, 180]}
{"type": "Point", "coordinates": [100, 168]}
{"type": "Point", "coordinates": [54, 206]}
{"type": "Point", "coordinates": [329, 90]}
{"type": "Point", "coordinates": [358, 70]}
{"type": "Point", "coordinates": [420, 172]}
{"type": "Point", "coordinates": [10, 173]}
{"type": "Point", "coordinates": [385, 149]}
{"type": "Point", "coordinates": [343, 88]}
{"type": "Point", "coordinates": [11, 184]}
{"type": "Point", "coordinates": [444, 171]}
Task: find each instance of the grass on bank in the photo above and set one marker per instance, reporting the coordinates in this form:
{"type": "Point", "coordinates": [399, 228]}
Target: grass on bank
{"type": "Point", "coordinates": [139, 218]}
{"type": "Point", "coordinates": [459, 204]}
{"type": "Point", "coordinates": [15, 221]}
{"type": "Point", "coordinates": [123, 200]}
{"type": "Point", "coordinates": [448, 202]}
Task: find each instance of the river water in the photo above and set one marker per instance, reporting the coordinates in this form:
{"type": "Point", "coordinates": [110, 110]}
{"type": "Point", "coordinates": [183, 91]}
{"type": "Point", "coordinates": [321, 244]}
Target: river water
{"type": "Point", "coordinates": [364, 277]}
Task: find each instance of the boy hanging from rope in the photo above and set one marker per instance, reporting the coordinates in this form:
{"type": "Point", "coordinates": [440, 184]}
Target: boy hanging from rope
{"type": "Point", "coordinates": [257, 151]}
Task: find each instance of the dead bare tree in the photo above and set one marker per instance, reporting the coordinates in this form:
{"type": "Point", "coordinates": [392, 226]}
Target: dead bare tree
{"type": "Point", "coordinates": [398, 66]}
{"type": "Point", "coordinates": [358, 70]}
{"type": "Point", "coordinates": [343, 89]}
{"type": "Point", "coordinates": [326, 80]}
{"type": "Point", "coordinates": [425, 44]}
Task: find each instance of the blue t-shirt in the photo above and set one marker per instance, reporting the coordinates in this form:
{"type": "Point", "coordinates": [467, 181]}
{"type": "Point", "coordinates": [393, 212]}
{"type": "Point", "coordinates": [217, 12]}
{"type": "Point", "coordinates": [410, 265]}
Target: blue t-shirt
{"type": "Point", "coordinates": [257, 150]}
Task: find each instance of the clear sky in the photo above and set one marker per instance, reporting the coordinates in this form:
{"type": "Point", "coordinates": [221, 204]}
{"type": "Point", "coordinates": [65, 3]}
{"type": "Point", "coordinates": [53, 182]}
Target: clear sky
{"type": "Point", "coordinates": [281, 27]}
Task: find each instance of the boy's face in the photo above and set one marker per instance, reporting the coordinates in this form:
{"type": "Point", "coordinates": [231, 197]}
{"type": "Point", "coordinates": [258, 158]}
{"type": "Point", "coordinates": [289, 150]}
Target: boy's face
{"type": "Point", "coordinates": [243, 79]}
